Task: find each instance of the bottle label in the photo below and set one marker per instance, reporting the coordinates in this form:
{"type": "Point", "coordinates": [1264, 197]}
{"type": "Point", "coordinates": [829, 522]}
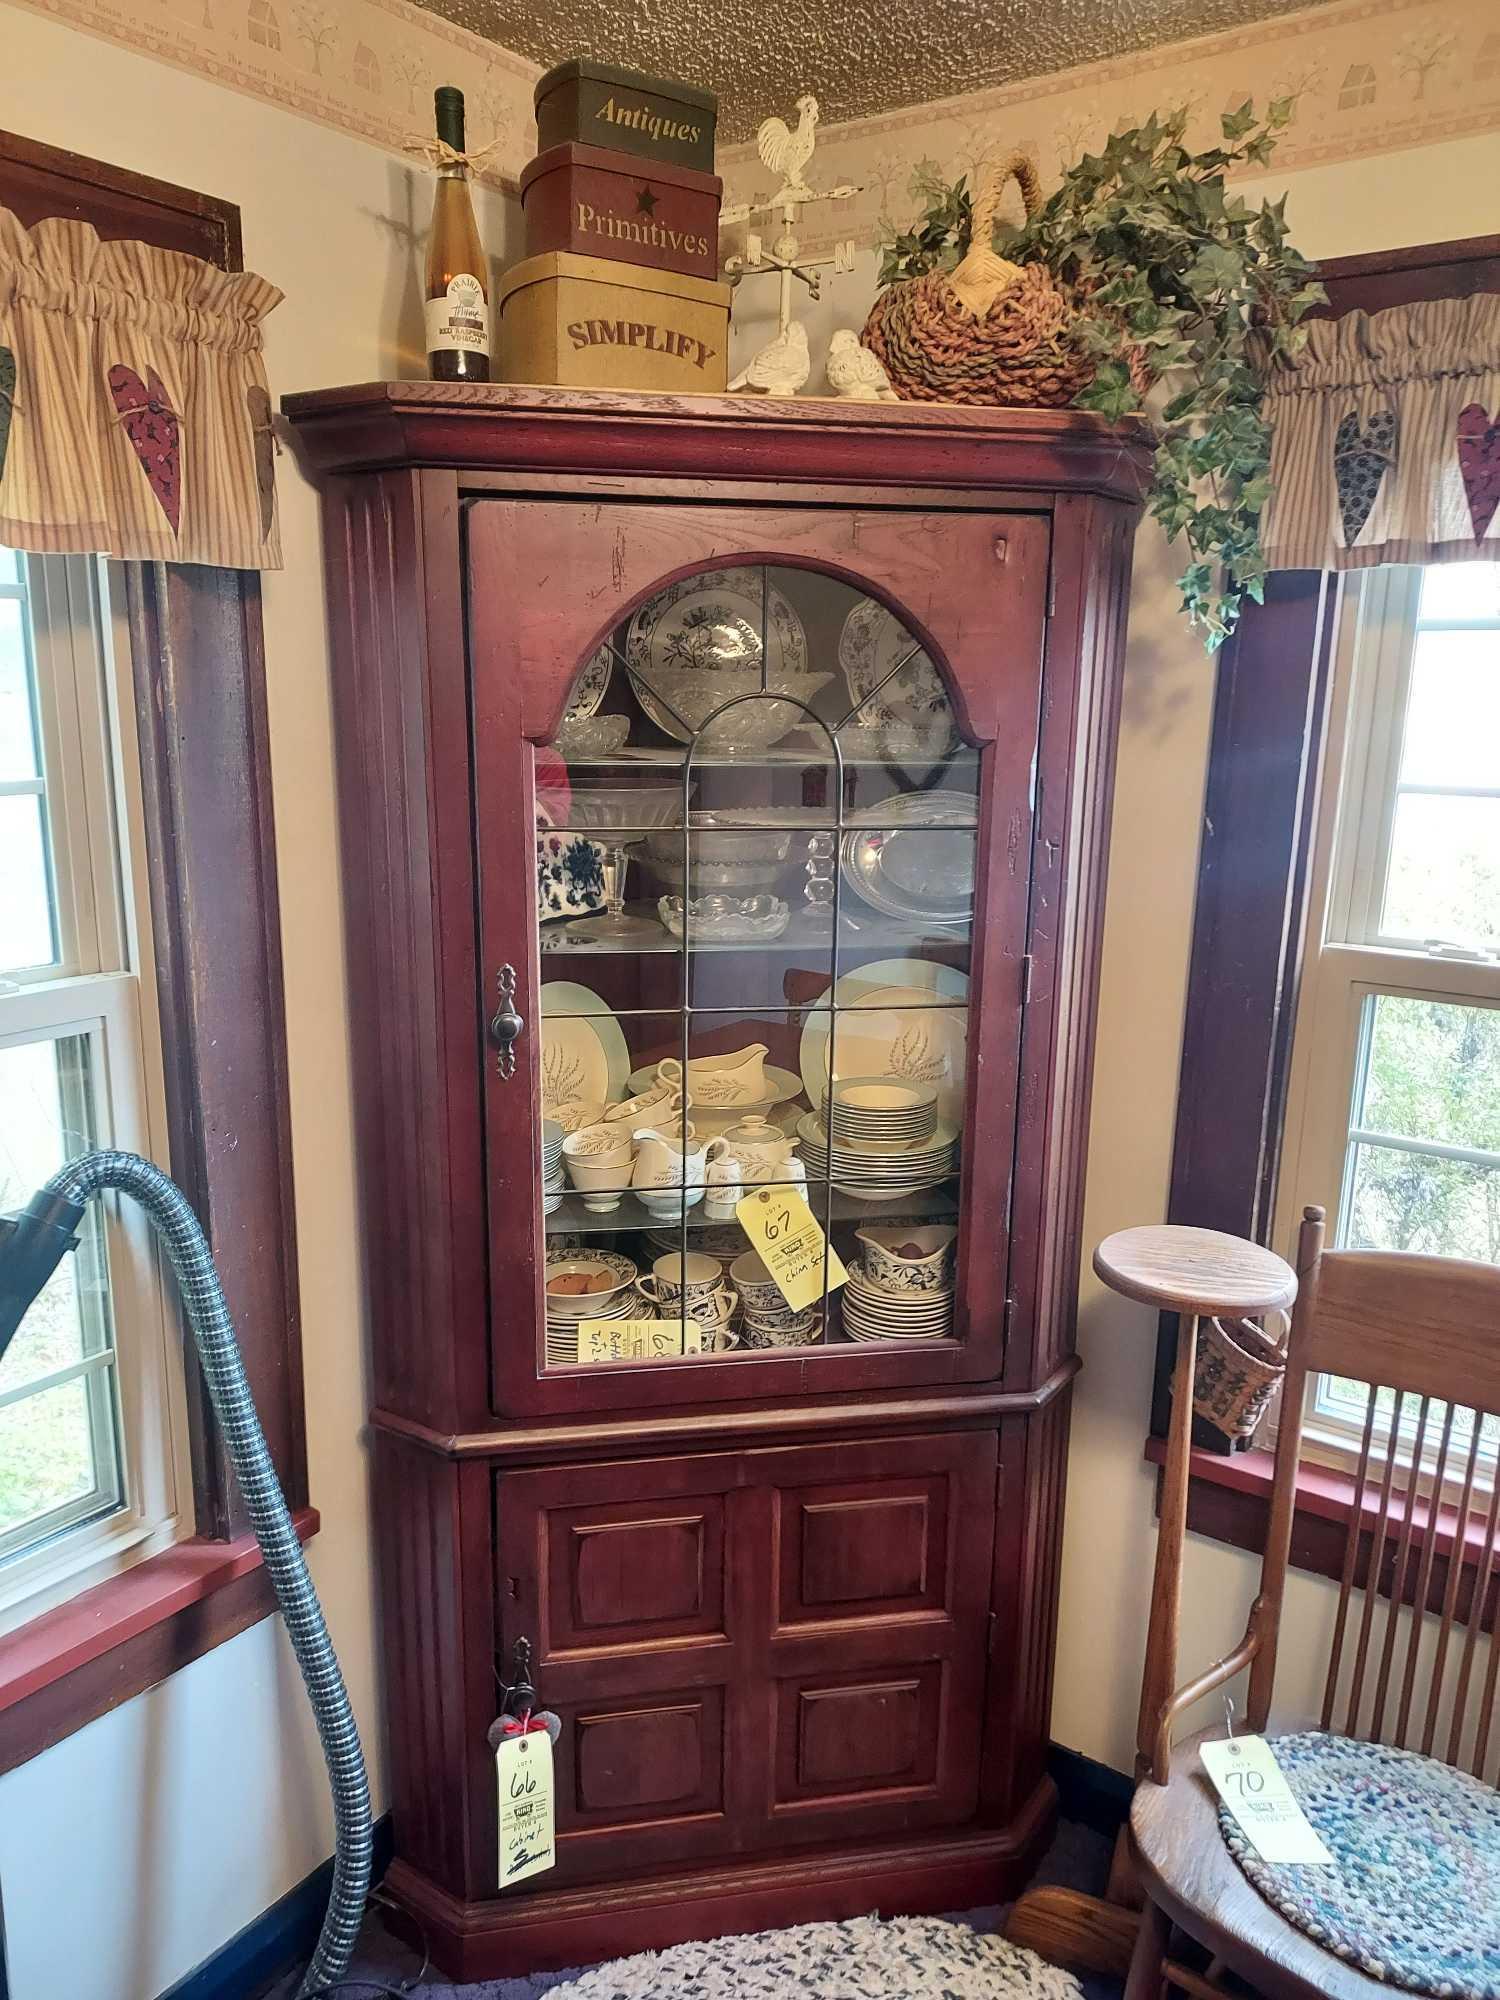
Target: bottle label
{"type": "Point", "coordinates": [460, 319]}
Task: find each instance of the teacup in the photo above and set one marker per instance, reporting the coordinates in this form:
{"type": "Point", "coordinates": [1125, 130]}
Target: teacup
{"type": "Point", "coordinates": [780, 1315]}
{"type": "Point", "coordinates": [574, 1113]}
{"type": "Point", "coordinates": [661, 1101]}
{"type": "Point", "coordinates": [805, 1331]}
{"type": "Point", "coordinates": [755, 1285]}
{"type": "Point", "coordinates": [678, 1283]}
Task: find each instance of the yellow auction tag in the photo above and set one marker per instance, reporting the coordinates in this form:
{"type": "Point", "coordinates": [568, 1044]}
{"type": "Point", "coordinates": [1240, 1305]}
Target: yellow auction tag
{"type": "Point", "coordinates": [523, 1772]}
{"type": "Point", "coordinates": [789, 1238]}
{"type": "Point", "coordinates": [1253, 1786]}
{"type": "Point", "coordinates": [637, 1339]}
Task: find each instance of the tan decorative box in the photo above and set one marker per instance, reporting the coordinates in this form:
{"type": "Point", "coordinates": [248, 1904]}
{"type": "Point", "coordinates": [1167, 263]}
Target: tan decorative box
{"type": "Point", "coordinates": [590, 323]}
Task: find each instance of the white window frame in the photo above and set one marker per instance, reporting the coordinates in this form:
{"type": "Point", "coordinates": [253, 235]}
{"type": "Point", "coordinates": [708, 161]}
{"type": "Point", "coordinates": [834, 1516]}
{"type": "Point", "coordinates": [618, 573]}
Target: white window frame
{"type": "Point", "coordinates": [1348, 959]}
{"type": "Point", "coordinates": [101, 990]}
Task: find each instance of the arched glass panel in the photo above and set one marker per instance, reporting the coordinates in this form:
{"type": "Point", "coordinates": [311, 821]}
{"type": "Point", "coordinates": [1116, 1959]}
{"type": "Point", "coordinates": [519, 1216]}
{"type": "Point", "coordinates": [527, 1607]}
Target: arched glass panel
{"type": "Point", "coordinates": [757, 853]}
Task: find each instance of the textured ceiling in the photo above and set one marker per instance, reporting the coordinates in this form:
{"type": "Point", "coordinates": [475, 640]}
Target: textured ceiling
{"type": "Point", "coordinates": [859, 57]}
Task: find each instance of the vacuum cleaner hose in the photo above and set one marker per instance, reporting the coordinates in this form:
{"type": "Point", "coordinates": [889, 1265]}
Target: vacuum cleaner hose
{"type": "Point", "coordinates": [213, 1331]}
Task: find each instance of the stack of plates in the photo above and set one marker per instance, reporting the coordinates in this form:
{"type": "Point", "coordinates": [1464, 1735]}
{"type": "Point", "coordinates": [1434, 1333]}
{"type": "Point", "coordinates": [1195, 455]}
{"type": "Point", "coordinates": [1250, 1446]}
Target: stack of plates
{"type": "Point", "coordinates": [880, 1111]}
{"type": "Point", "coordinates": [879, 1172]}
{"type": "Point", "coordinates": [554, 1186]}
{"type": "Point", "coordinates": [871, 1314]}
{"type": "Point", "coordinates": [562, 1334]}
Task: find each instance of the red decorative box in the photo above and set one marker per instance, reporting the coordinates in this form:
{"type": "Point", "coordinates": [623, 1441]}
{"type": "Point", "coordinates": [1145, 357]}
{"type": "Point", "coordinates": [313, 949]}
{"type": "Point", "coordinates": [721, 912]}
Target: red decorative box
{"type": "Point", "coordinates": [595, 202]}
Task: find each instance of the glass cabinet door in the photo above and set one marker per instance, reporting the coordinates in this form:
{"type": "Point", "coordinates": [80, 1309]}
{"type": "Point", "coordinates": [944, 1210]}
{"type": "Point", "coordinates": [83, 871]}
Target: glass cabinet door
{"type": "Point", "coordinates": [757, 850]}
{"type": "Point", "coordinates": [759, 831]}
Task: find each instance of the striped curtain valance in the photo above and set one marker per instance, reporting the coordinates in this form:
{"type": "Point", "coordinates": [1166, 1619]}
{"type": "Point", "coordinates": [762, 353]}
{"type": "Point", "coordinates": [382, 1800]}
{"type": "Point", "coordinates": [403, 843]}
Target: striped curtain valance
{"type": "Point", "coordinates": [135, 419]}
{"type": "Point", "coordinates": [1385, 439]}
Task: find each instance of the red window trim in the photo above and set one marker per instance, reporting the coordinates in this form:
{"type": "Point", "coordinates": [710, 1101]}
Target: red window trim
{"type": "Point", "coordinates": [1249, 924]}
{"type": "Point", "coordinates": [1229, 1500]}
{"type": "Point", "coordinates": [110, 1643]}
{"type": "Point", "coordinates": [205, 776]}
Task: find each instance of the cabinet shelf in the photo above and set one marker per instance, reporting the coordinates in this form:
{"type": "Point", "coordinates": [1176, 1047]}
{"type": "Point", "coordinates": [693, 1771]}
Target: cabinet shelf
{"type": "Point", "coordinates": [938, 1204]}
{"type": "Point", "coordinates": [879, 937]}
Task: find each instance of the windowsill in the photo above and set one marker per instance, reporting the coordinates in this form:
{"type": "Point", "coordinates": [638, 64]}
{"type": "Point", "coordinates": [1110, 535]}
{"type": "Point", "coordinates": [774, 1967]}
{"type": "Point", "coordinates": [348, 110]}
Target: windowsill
{"type": "Point", "coordinates": [1229, 1500]}
{"type": "Point", "coordinates": [108, 1644]}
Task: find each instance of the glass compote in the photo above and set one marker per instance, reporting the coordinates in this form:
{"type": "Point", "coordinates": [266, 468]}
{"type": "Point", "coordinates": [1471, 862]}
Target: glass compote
{"type": "Point", "coordinates": [621, 818]}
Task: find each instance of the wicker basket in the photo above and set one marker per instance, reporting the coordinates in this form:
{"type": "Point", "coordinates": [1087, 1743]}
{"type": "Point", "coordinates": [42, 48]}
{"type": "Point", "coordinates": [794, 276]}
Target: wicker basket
{"type": "Point", "coordinates": [1239, 1369]}
{"type": "Point", "coordinates": [989, 332]}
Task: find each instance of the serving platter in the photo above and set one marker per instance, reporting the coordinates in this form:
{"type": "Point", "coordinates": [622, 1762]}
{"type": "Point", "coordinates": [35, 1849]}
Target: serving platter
{"type": "Point", "coordinates": [906, 863]}
{"type": "Point", "coordinates": [901, 1017]}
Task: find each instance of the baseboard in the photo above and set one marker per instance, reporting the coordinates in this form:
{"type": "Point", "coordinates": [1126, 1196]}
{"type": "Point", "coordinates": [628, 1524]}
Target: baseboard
{"type": "Point", "coordinates": [1094, 1794]}
{"type": "Point", "coordinates": [277, 1939]}
{"type": "Point", "coordinates": [544, 1930]}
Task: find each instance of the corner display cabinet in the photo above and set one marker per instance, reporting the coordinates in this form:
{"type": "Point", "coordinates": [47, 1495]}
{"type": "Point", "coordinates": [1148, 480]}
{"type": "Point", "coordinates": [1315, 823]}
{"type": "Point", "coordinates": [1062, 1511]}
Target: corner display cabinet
{"type": "Point", "coordinates": [725, 792]}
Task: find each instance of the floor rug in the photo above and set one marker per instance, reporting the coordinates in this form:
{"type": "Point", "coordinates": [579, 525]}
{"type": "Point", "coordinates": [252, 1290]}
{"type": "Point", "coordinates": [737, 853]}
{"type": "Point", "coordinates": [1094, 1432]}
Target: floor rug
{"type": "Point", "coordinates": [868, 1958]}
{"type": "Point", "coordinates": [1413, 1897]}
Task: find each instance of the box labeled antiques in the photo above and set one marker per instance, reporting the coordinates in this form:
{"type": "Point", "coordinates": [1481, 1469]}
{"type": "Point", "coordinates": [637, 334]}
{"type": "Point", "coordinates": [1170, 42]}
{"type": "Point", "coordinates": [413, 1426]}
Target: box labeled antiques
{"type": "Point", "coordinates": [599, 105]}
{"type": "Point", "coordinates": [586, 322]}
{"type": "Point", "coordinates": [599, 203]}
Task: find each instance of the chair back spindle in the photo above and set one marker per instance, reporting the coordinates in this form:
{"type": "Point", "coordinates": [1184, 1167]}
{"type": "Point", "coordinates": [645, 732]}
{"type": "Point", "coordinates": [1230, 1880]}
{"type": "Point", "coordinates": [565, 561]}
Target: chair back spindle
{"type": "Point", "coordinates": [1415, 1653]}
{"type": "Point", "coordinates": [1414, 1644]}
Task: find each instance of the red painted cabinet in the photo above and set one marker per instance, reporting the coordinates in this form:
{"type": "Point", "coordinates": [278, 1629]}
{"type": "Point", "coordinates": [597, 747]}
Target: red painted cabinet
{"type": "Point", "coordinates": [725, 793]}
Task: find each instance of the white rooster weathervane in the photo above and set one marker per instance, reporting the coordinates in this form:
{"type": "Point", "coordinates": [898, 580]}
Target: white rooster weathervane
{"type": "Point", "coordinates": [783, 365]}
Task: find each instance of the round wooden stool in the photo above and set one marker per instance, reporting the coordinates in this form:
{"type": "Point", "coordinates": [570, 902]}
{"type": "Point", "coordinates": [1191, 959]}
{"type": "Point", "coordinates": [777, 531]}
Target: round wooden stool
{"type": "Point", "coordinates": [1197, 1274]}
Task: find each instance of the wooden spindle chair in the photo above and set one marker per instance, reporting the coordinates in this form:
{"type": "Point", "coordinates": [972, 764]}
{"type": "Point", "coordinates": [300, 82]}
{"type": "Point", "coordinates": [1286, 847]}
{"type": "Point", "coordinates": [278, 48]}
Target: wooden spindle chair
{"type": "Point", "coordinates": [1416, 1641]}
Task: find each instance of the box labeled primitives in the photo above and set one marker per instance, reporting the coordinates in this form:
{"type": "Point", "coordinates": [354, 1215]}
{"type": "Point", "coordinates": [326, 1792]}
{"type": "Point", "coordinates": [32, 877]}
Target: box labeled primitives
{"type": "Point", "coordinates": [599, 105]}
{"type": "Point", "coordinates": [586, 322]}
{"type": "Point", "coordinates": [596, 202]}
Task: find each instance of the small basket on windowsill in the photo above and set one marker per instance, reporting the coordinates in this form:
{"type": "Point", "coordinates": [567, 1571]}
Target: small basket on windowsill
{"type": "Point", "coordinates": [1239, 1369]}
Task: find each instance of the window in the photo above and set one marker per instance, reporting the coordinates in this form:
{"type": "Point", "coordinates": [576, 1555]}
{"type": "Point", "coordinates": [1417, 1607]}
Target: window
{"type": "Point", "coordinates": [1358, 86]}
{"type": "Point", "coordinates": [261, 24]}
{"type": "Point", "coordinates": [88, 1441]}
{"type": "Point", "coordinates": [367, 68]}
{"type": "Point", "coordinates": [1395, 1113]}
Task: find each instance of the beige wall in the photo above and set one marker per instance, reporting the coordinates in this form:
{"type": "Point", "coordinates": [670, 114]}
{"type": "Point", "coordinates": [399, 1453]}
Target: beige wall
{"type": "Point", "coordinates": [133, 1850]}
{"type": "Point", "coordinates": [139, 1846]}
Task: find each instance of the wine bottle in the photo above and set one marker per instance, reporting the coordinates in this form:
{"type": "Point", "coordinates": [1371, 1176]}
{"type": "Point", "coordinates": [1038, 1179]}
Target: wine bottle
{"type": "Point", "coordinates": [458, 293]}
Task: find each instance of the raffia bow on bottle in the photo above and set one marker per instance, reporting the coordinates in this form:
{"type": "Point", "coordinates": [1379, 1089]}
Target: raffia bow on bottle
{"type": "Point", "coordinates": [991, 331]}
{"type": "Point", "coordinates": [438, 153]}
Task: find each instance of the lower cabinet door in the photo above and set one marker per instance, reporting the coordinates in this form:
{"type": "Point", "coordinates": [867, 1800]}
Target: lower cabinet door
{"type": "Point", "coordinates": [753, 1648]}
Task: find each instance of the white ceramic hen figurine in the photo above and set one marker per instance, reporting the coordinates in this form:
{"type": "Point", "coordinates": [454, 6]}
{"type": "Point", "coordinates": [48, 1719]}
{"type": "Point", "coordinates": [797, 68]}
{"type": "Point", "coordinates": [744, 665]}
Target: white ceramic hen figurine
{"type": "Point", "coordinates": [857, 374]}
{"type": "Point", "coordinates": [782, 365]}
{"type": "Point", "coordinates": [787, 152]}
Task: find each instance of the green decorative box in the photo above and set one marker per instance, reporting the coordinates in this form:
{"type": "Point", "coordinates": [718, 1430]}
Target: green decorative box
{"type": "Point", "coordinates": [650, 116]}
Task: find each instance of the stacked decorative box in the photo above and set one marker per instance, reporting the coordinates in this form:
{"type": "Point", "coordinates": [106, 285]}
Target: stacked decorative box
{"type": "Point", "coordinates": [621, 209]}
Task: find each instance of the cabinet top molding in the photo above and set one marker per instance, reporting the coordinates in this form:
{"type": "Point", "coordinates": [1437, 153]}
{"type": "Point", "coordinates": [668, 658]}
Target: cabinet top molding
{"type": "Point", "coordinates": [508, 427]}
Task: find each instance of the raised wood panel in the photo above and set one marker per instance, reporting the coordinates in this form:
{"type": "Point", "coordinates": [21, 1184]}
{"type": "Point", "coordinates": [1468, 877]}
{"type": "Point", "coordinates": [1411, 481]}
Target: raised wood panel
{"type": "Point", "coordinates": [860, 1552]}
{"type": "Point", "coordinates": [634, 1571]}
{"type": "Point", "coordinates": [860, 1736]}
{"type": "Point", "coordinates": [659, 1755]}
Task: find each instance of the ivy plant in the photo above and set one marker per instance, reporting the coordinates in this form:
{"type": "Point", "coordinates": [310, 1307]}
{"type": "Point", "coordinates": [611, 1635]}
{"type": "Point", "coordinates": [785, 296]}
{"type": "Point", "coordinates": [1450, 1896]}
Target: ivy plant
{"type": "Point", "coordinates": [1184, 289]}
